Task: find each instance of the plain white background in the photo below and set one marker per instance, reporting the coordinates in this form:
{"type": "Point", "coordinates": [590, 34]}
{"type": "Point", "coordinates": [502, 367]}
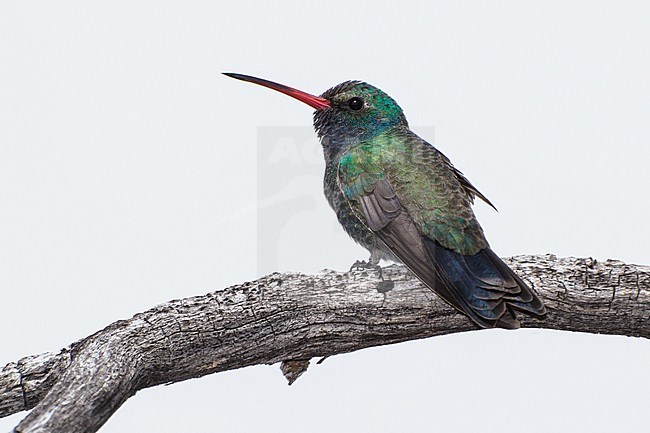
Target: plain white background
{"type": "Point", "coordinates": [129, 176]}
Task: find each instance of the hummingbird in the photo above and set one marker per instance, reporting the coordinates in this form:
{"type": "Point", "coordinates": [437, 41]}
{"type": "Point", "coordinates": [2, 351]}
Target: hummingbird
{"type": "Point", "coordinates": [404, 201]}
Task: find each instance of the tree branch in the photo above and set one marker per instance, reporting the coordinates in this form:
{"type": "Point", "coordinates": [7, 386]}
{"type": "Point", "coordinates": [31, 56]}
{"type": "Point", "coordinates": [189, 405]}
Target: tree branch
{"type": "Point", "coordinates": [293, 317]}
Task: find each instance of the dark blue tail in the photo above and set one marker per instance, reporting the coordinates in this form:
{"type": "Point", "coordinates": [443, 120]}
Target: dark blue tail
{"type": "Point", "coordinates": [482, 286]}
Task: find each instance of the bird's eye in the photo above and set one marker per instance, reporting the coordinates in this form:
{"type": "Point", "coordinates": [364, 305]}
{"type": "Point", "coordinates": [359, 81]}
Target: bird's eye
{"type": "Point", "coordinates": [355, 103]}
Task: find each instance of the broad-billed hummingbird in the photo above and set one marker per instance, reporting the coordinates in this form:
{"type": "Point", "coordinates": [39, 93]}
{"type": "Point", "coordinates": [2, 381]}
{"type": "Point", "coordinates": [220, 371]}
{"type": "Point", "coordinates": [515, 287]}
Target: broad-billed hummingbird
{"type": "Point", "coordinates": [403, 200]}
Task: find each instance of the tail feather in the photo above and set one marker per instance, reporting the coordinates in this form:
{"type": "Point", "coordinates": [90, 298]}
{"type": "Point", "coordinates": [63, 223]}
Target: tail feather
{"type": "Point", "coordinates": [483, 286]}
{"type": "Point", "coordinates": [527, 299]}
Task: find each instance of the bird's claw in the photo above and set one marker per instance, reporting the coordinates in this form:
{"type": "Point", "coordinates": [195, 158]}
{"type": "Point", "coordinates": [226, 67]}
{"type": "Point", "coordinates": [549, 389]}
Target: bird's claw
{"type": "Point", "coordinates": [361, 265]}
{"type": "Point", "coordinates": [385, 285]}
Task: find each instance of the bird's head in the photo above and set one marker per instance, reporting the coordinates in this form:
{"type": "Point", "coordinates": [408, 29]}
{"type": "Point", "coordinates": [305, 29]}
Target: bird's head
{"type": "Point", "coordinates": [345, 113]}
{"type": "Point", "coordinates": [357, 110]}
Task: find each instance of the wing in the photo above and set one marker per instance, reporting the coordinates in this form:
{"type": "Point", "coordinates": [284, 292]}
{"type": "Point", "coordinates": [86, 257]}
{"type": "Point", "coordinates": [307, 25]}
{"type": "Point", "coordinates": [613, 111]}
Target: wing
{"type": "Point", "coordinates": [478, 283]}
{"type": "Point", "coordinates": [470, 189]}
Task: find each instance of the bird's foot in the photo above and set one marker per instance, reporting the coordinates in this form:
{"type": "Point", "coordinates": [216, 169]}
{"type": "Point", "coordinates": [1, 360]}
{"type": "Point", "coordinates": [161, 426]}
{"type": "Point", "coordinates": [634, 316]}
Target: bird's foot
{"type": "Point", "coordinates": [361, 265]}
{"type": "Point", "coordinates": [385, 285]}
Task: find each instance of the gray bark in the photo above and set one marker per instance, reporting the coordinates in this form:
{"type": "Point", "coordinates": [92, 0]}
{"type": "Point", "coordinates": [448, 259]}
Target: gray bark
{"type": "Point", "coordinates": [293, 317]}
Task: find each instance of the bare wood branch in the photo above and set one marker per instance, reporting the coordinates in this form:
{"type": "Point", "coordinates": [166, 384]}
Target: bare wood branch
{"type": "Point", "coordinates": [293, 317]}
